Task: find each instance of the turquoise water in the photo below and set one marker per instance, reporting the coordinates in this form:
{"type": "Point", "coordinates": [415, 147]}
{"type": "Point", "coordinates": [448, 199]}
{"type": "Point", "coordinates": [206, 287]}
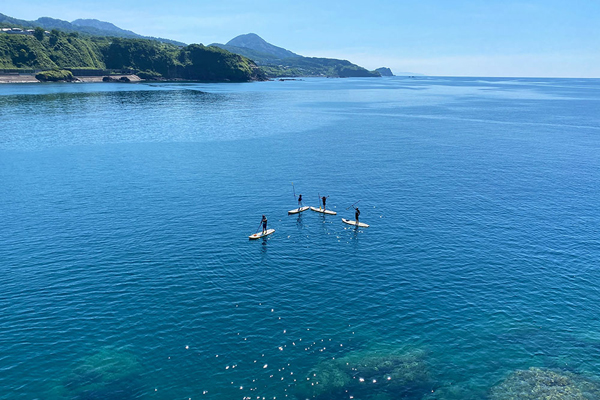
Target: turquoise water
{"type": "Point", "coordinates": [127, 271]}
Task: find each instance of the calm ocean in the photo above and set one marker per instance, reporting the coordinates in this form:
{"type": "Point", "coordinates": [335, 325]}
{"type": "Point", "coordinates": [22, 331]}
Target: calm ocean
{"type": "Point", "coordinates": [126, 271]}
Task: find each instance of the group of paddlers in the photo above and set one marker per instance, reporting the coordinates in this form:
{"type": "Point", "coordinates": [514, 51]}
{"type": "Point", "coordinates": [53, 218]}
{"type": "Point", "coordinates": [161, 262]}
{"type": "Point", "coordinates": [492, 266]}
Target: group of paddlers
{"type": "Point", "coordinates": [300, 205]}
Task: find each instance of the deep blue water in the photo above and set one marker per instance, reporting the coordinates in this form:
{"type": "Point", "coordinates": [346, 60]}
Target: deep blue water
{"type": "Point", "coordinates": [126, 269]}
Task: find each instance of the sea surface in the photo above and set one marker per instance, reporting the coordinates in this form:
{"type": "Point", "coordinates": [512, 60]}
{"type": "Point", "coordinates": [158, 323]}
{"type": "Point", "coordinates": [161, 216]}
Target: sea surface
{"type": "Point", "coordinates": [126, 271]}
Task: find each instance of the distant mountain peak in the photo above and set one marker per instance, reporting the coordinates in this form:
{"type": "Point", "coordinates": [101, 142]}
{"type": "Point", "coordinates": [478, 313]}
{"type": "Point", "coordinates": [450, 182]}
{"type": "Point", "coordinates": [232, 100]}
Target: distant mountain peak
{"type": "Point", "coordinates": [247, 40]}
{"type": "Point", "coordinates": [279, 62]}
{"type": "Point", "coordinates": [255, 42]}
{"type": "Point", "coordinates": [250, 35]}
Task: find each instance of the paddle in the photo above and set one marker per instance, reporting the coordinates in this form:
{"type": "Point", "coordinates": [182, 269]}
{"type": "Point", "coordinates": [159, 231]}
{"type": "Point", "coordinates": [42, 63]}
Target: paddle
{"type": "Point", "coordinates": [353, 205]}
{"type": "Point", "coordinates": [294, 189]}
{"type": "Point", "coordinates": [259, 224]}
{"type": "Point", "coordinates": [319, 194]}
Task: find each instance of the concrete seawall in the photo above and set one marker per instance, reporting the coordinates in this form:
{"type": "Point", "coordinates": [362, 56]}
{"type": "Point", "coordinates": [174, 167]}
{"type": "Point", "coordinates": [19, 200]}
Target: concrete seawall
{"type": "Point", "coordinates": [30, 78]}
{"type": "Point", "coordinates": [17, 78]}
{"type": "Point", "coordinates": [132, 78]}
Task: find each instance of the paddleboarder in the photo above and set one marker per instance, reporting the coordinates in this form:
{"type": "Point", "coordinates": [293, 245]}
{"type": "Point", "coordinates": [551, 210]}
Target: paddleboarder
{"type": "Point", "coordinates": [324, 201]}
{"type": "Point", "coordinates": [356, 214]}
{"type": "Point", "coordinates": [264, 224]}
{"type": "Point", "coordinates": [299, 201]}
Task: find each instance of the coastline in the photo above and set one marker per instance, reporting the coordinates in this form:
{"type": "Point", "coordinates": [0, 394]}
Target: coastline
{"type": "Point", "coordinates": [131, 78]}
{"type": "Point", "coordinates": [17, 78]}
{"type": "Point", "coordinates": [114, 78]}
{"type": "Point", "coordinates": [30, 78]}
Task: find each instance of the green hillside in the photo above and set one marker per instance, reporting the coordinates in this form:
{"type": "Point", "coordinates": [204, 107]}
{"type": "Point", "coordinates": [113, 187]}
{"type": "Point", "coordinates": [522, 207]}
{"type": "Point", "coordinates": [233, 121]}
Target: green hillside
{"type": "Point", "coordinates": [274, 67]}
{"type": "Point", "coordinates": [54, 51]}
{"type": "Point", "coordinates": [278, 62]}
{"type": "Point", "coordinates": [90, 27]}
{"type": "Point", "coordinates": [71, 51]}
{"type": "Point", "coordinates": [259, 57]}
{"type": "Point", "coordinates": [313, 66]}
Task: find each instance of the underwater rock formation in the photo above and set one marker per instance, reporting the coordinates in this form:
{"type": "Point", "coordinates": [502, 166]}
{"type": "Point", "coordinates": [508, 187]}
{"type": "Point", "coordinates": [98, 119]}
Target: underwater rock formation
{"type": "Point", "coordinates": [368, 376]}
{"type": "Point", "coordinates": [108, 374]}
{"type": "Point", "coordinates": [544, 384]}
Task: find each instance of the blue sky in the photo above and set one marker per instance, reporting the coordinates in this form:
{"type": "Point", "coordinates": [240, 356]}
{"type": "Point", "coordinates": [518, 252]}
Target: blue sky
{"type": "Point", "coordinates": [538, 38]}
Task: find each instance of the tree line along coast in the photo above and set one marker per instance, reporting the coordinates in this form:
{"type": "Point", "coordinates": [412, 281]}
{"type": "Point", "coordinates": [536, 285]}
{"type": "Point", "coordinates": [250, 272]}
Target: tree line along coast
{"type": "Point", "coordinates": [89, 55]}
{"type": "Point", "coordinates": [56, 55]}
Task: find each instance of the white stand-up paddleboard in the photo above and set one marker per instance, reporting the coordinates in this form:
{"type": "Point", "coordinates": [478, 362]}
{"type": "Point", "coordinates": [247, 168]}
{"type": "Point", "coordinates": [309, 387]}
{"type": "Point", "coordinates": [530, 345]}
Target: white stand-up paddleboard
{"type": "Point", "coordinates": [260, 234]}
{"type": "Point", "coordinates": [322, 211]}
{"type": "Point", "coordinates": [349, 222]}
{"type": "Point", "coordinates": [298, 210]}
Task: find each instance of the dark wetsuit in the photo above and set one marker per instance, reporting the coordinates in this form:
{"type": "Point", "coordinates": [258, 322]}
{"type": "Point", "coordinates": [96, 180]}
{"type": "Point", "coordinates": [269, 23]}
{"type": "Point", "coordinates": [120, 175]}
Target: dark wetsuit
{"type": "Point", "coordinates": [299, 201]}
{"type": "Point", "coordinates": [356, 214]}
{"type": "Point", "coordinates": [324, 201]}
{"type": "Point", "coordinates": [264, 223]}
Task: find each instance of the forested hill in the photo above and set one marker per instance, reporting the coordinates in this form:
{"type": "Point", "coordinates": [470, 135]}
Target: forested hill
{"type": "Point", "coordinates": [83, 26]}
{"type": "Point", "coordinates": [276, 61]}
{"type": "Point", "coordinates": [149, 58]}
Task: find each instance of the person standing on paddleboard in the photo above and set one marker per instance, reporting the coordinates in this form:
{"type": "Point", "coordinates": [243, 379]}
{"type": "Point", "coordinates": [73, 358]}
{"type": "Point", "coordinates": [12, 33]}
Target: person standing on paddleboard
{"type": "Point", "coordinates": [356, 214]}
{"type": "Point", "coordinates": [299, 201]}
{"type": "Point", "coordinates": [324, 201]}
{"type": "Point", "coordinates": [264, 224]}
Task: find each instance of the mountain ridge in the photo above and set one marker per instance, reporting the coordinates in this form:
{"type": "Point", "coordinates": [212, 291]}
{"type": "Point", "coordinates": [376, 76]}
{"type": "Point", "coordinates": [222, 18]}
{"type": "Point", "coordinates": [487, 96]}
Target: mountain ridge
{"type": "Point", "coordinates": [276, 61]}
{"type": "Point", "coordinates": [85, 26]}
{"type": "Point", "coordinates": [97, 24]}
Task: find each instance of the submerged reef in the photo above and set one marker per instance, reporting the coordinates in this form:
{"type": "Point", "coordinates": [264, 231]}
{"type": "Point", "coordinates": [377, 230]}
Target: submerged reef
{"type": "Point", "coordinates": [368, 376]}
{"type": "Point", "coordinates": [108, 374]}
{"type": "Point", "coordinates": [545, 384]}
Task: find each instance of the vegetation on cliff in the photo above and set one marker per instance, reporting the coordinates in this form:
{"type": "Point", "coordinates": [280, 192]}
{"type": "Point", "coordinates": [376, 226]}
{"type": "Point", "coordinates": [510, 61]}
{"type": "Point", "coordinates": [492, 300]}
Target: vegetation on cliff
{"type": "Point", "coordinates": [55, 76]}
{"type": "Point", "coordinates": [51, 52]}
{"type": "Point", "coordinates": [154, 59]}
{"type": "Point", "coordinates": [313, 66]}
{"type": "Point", "coordinates": [217, 64]}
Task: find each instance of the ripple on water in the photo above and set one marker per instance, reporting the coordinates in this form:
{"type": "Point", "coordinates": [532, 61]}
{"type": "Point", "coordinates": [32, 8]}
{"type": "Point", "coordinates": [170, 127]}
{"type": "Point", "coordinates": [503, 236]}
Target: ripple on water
{"type": "Point", "coordinates": [126, 212]}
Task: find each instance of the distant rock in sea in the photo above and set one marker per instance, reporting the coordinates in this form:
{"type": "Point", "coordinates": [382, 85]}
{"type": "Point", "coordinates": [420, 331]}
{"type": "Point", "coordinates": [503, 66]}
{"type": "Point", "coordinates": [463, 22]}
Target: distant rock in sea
{"type": "Point", "coordinates": [384, 71]}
